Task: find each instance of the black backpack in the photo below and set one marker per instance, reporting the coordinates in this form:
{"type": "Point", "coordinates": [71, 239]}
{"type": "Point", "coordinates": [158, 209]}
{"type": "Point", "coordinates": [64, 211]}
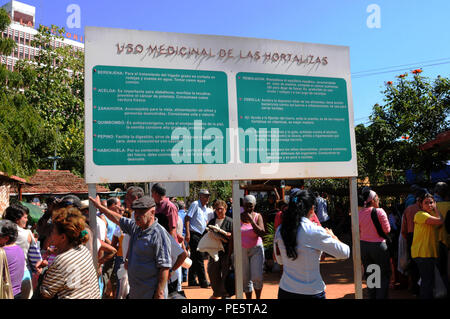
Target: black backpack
{"type": "Point", "coordinates": [380, 231]}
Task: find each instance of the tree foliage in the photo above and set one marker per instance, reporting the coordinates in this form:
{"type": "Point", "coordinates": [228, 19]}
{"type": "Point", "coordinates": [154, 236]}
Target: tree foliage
{"type": "Point", "coordinates": [55, 82]}
{"type": "Point", "coordinates": [42, 106]}
{"type": "Point", "coordinates": [24, 135]}
{"type": "Point", "coordinates": [218, 189]}
{"type": "Point", "coordinates": [55, 87]}
{"type": "Point", "coordinates": [52, 87]}
{"type": "Point", "coordinates": [7, 45]}
{"type": "Point", "coordinates": [415, 111]}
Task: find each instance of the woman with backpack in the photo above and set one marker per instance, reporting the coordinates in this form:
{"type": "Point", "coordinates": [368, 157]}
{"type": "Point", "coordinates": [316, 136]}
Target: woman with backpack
{"type": "Point", "coordinates": [375, 258]}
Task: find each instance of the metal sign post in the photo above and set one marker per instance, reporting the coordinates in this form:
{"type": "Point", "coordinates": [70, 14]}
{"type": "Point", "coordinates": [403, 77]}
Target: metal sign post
{"type": "Point", "coordinates": [355, 238]}
{"type": "Point", "coordinates": [237, 241]}
{"type": "Point", "coordinates": [93, 223]}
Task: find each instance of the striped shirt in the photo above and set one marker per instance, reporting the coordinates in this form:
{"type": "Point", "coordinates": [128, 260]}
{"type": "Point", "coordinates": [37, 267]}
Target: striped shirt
{"type": "Point", "coordinates": [72, 276]}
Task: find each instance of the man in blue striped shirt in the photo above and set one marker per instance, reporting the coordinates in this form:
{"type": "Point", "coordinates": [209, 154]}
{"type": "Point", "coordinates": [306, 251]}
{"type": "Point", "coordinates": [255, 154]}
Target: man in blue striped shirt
{"type": "Point", "coordinates": [149, 251]}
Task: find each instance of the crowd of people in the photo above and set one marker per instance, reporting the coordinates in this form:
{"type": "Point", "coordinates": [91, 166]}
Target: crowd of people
{"type": "Point", "coordinates": [147, 245]}
{"type": "Point", "coordinates": [410, 241]}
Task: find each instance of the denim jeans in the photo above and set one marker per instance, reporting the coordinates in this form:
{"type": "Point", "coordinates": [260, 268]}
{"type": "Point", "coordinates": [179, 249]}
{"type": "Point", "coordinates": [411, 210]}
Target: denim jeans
{"type": "Point", "coordinates": [118, 260]}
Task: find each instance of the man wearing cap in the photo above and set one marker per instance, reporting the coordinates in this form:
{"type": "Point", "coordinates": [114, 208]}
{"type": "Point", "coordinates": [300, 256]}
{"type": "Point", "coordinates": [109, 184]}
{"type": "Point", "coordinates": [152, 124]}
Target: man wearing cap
{"type": "Point", "coordinates": [195, 222]}
{"type": "Point", "coordinates": [149, 251]}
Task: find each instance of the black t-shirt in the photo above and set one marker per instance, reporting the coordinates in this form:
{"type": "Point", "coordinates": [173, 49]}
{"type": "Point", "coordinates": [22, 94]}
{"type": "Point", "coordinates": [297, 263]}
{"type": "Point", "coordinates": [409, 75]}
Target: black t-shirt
{"type": "Point", "coordinates": [163, 221]}
{"type": "Point", "coordinates": [227, 225]}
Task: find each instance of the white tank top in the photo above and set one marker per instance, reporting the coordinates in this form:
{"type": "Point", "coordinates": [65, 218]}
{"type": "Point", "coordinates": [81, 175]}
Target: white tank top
{"type": "Point", "coordinates": [22, 241]}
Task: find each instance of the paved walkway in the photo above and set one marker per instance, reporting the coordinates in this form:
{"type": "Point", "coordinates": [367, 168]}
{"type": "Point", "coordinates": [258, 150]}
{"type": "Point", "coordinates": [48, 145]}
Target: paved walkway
{"type": "Point", "coordinates": [337, 274]}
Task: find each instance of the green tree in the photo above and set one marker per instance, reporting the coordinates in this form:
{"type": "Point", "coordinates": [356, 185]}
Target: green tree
{"type": "Point", "coordinates": [415, 111]}
{"type": "Point", "coordinates": [7, 45]}
{"type": "Point", "coordinates": [54, 85]}
{"type": "Point", "coordinates": [218, 189]}
{"type": "Point", "coordinates": [376, 148]}
{"type": "Point", "coordinates": [23, 134]}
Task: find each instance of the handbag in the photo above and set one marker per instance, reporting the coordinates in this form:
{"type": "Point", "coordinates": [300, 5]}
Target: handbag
{"type": "Point", "coordinates": [439, 290]}
{"type": "Point", "coordinates": [6, 291]}
{"type": "Point", "coordinates": [34, 255]}
{"type": "Point", "coordinates": [402, 258]}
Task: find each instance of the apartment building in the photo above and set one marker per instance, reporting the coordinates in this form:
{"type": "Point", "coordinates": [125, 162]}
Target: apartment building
{"type": "Point", "coordinates": [22, 30]}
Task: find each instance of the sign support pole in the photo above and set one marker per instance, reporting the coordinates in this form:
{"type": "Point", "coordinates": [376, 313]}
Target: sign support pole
{"type": "Point", "coordinates": [93, 223]}
{"type": "Point", "coordinates": [357, 269]}
{"type": "Point", "coordinates": [237, 246]}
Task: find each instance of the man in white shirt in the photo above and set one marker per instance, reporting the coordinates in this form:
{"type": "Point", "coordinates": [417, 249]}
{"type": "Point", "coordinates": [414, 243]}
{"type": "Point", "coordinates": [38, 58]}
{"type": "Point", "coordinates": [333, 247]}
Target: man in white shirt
{"type": "Point", "coordinates": [196, 220]}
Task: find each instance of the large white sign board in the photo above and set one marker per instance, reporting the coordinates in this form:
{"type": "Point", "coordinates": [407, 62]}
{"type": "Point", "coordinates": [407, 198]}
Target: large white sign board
{"type": "Point", "coordinates": [182, 107]}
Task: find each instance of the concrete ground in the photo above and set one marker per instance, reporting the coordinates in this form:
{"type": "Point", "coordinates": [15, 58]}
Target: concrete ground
{"type": "Point", "coordinates": [337, 275]}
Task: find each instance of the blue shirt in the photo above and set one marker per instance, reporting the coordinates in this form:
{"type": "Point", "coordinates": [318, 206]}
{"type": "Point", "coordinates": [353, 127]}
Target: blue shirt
{"type": "Point", "coordinates": [410, 200]}
{"type": "Point", "coordinates": [150, 249]}
{"type": "Point", "coordinates": [322, 212]}
{"type": "Point", "coordinates": [111, 227]}
{"type": "Point", "coordinates": [181, 215]}
{"type": "Point", "coordinates": [302, 275]}
{"type": "Point", "coordinates": [200, 215]}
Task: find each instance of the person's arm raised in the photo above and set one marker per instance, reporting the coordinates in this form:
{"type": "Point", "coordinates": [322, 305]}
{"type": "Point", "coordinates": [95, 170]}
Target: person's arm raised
{"type": "Point", "coordinates": [258, 227]}
{"type": "Point", "coordinates": [437, 219]}
{"type": "Point", "coordinates": [113, 216]}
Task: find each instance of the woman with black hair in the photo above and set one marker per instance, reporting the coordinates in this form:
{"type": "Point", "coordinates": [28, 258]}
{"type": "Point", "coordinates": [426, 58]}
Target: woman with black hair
{"type": "Point", "coordinates": [374, 249]}
{"type": "Point", "coordinates": [298, 244]}
{"type": "Point", "coordinates": [18, 214]}
{"type": "Point", "coordinates": [424, 248]}
{"type": "Point", "coordinates": [14, 255]}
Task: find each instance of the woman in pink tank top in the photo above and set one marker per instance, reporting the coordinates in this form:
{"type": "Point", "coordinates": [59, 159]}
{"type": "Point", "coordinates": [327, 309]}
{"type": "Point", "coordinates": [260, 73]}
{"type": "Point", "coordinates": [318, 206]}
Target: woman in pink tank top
{"type": "Point", "coordinates": [252, 231]}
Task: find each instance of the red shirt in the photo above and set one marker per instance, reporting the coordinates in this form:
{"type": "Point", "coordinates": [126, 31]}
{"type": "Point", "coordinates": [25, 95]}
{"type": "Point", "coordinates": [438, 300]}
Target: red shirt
{"type": "Point", "coordinates": [315, 219]}
{"type": "Point", "coordinates": [408, 219]}
{"type": "Point", "coordinates": [167, 208]}
{"type": "Point", "coordinates": [279, 219]}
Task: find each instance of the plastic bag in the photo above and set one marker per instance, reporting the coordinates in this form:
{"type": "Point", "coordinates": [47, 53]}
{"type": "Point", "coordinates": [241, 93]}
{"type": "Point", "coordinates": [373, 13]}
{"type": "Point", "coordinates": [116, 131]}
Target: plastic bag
{"type": "Point", "coordinates": [439, 290]}
{"type": "Point", "coordinates": [402, 259]}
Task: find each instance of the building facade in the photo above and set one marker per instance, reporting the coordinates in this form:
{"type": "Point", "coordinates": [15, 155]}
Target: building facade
{"type": "Point", "coordinates": [22, 31]}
